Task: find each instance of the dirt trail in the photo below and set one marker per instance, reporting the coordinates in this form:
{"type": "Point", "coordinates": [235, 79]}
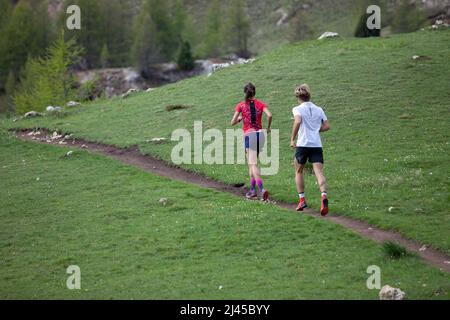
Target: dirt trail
{"type": "Point", "coordinates": [148, 163]}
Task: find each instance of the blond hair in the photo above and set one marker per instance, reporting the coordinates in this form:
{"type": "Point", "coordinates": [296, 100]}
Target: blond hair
{"type": "Point", "coordinates": [303, 92]}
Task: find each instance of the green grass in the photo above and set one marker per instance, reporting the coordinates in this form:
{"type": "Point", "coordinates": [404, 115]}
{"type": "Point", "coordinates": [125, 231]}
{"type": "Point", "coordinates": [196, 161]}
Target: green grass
{"type": "Point", "coordinates": [387, 156]}
{"type": "Point", "coordinates": [105, 217]}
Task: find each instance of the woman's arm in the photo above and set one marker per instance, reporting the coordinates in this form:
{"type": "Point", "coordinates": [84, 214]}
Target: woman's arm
{"type": "Point", "coordinates": [236, 119]}
{"type": "Point", "coordinates": [295, 128]}
{"type": "Point", "coordinates": [269, 119]}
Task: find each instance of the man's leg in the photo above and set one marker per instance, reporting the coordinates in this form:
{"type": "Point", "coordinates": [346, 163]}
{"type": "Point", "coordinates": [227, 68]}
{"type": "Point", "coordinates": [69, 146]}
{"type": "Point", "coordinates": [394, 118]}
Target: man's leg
{"type": "Point", "coordinates": [299, 179]}
{"type": "Point", "coordinates": [321, 180]}
{"type": "Point", "coordinates": [300, 183]}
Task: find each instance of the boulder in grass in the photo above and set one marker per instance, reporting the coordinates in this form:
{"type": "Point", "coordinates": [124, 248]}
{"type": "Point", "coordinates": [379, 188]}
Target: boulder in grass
{"type": "Point", "coordinates": [51, 109]}
{"type": "Point", "coordinates": [129, 93]}
{"type": "Point", "coordinates": [72, 104]}
{"type": "Point", "coordinates": [32, 114]}
{"type": "Point", "coordinates": [329, 35]}
{"type": "Point", "coordinates": [390, 293]}
{"type": "Point", "coordinates": [163, 201]}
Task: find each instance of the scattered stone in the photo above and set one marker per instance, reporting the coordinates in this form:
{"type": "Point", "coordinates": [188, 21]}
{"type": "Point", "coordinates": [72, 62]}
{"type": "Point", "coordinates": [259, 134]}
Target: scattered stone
{"type": "Point", "coordinates": [72, 104]}
{"type": "Point", "coordinates": [32, 114]}
{"type": "Point", "coordinates": [62, 142]}
{"type": "Point", "coordinates": [84, 146]}
{"type": "Point", "coordinates": [156, 140]}
{"type": "Point", "coordinates": [446, 262]}
{"type": "Point", "coordinates": [163, 201]}
{"type": "Point", "coordinates": [423, 248]}
{"type": "Point", "coordinates": [421, 58]}
{"type": "Point", "coordinates": [149, 90]}
{"type": "Point", "coordinates": [129, 93]}
{"type": "Point", "coordinates": [329, 35]}
{"type": "Point", "coordinates": [390, 293]}
{"type": "Point", "coordinates": [391, 209]}
{"type": "Point", "coordinates": [51, 109]}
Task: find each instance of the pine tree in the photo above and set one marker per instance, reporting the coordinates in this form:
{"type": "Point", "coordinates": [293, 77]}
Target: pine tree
{"type": "Point", "coordinates": [5, 12]}
{"type": "Point", "coordinates": [92, 35]}
{"type": "Point", "coordinates": [213, 46]}
{"type": "Point", "coordinates": [238, 28]}
{"type": "Point", "coordinates": [10, 88]}
{"type": "Point", "coordinates": [361, 29]}
{"type": "Point", "coordinates": [145, 50]}
{"type": "Point", "coordinates": [47, 81]}
{"type": "Point", "coordinates": [185, 60]}
{"type": "Point", "coordinates": [407, 18]}
{"type": "Point", "coordinates": [104, 56]}
{"type": "Point", "coordinates": [25, 33]}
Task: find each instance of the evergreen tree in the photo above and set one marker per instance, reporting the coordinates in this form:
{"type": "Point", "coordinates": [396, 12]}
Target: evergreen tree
{"type": "Point", "coordinates": [25, 33]}
{"type": "Point", "coordinates": [185, 60]}
{"type": "Point", "coordinates": [10, 88]}
{"type": "Point", "coordinates": [238, 28]}
{"type": "Point", "coordinates": [145, 50]}
{"type": "Point", "coordinates": [117, 17]}
{"type": "Point", "coordinates": [47, 81]}
{"type": "Point", "coordinates": [213, 46]}
{"type": "Point", "coordinates": [104, 56]}
{"type": "Point", "coordinates": [5, 12]}
{"type": "Point", "coordinates": [91, 36]}
{"type": "Point", "coordinates": [407, 18]}
{"type": "Point", "coordinates": [361, 29]}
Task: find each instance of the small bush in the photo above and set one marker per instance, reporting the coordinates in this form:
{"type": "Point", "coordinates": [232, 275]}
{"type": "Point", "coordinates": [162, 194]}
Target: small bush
{"type": "Point", "coordinates": [394, 250]}
{"type": "Point", "coordinates": [176, 107]}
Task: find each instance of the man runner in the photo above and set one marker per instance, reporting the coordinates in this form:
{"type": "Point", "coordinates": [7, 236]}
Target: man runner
{"type": "Point", "coordinates": [309, 121]}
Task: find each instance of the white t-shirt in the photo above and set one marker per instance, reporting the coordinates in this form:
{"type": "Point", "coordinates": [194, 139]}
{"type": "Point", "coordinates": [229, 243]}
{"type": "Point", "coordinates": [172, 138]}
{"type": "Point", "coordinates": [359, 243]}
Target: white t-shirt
{"type": "Point", "coordinates": [312, 119]}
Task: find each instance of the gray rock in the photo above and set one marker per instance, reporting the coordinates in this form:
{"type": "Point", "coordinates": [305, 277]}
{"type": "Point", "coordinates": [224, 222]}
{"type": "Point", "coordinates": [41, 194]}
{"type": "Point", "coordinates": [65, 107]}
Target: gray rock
{"type": "Point", "coordinates": [72, 104]}
{"type": "Point", "coordinates": [32, 114]}
{"type": "Point", "coordinates": [328, 35]}
{"type": "Point", "coordinates": [390, 293]}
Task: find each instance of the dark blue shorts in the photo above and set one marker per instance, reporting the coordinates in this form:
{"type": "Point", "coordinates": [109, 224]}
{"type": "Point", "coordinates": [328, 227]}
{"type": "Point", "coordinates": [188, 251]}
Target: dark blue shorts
{"type": "Point", "coordinates": [255, 141]}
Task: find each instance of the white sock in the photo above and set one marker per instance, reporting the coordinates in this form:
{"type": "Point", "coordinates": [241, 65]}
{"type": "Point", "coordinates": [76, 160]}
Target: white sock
{"type": "Point", "coordinates": [324, 194]}
{"type": "Point", "coordinates": [301, 195]}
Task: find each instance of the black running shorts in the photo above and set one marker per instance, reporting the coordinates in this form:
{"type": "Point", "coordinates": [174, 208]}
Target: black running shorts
{"type": "Point", "coordinates": [314, 155]}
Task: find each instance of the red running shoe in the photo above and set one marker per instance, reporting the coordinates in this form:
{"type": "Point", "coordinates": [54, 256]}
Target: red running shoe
{"type": "Point", "coordinates": [324, 207]}
{"type": "Point", "coordinates": [302, 205]}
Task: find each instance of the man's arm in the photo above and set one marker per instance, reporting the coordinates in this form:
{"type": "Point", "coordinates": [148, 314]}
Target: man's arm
{"type": "Point", "coordinates": [269, 119]}
{"type": "Point", "coordinates": [295, 128]}
{"type": "Point", "coordinates": [325, 127]}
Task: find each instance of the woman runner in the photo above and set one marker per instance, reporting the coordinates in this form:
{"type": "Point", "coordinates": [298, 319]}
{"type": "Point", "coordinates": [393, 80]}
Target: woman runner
{"type": "Point", "coordinates": [250, 113]}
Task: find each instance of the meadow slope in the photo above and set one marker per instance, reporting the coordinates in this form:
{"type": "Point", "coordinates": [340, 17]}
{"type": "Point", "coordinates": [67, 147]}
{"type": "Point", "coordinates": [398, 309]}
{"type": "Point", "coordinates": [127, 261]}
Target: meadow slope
{"type": "Point", "coordinates": [106, 217]}
{"type": "Point", "coordinates": [387, 155]}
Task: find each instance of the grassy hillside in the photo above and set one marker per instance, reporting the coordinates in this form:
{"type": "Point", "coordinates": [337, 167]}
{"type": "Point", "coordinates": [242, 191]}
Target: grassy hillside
{"type": "Point", "coordinates": [387, 155]}
{"type": "Point", "coordinates": [106, 218]}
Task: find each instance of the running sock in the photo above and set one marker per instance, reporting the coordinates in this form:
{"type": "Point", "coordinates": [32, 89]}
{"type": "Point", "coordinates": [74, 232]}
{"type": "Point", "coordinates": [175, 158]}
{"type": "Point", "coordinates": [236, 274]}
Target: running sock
{"type": "Point", "coordinates": [260, 185]}
{"type": "Point", "coordinates": [301, 195]}
{"type": "Point", "coordinates": [252, 184]}
{"type": "Point", "coordinates": [324, 194]}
